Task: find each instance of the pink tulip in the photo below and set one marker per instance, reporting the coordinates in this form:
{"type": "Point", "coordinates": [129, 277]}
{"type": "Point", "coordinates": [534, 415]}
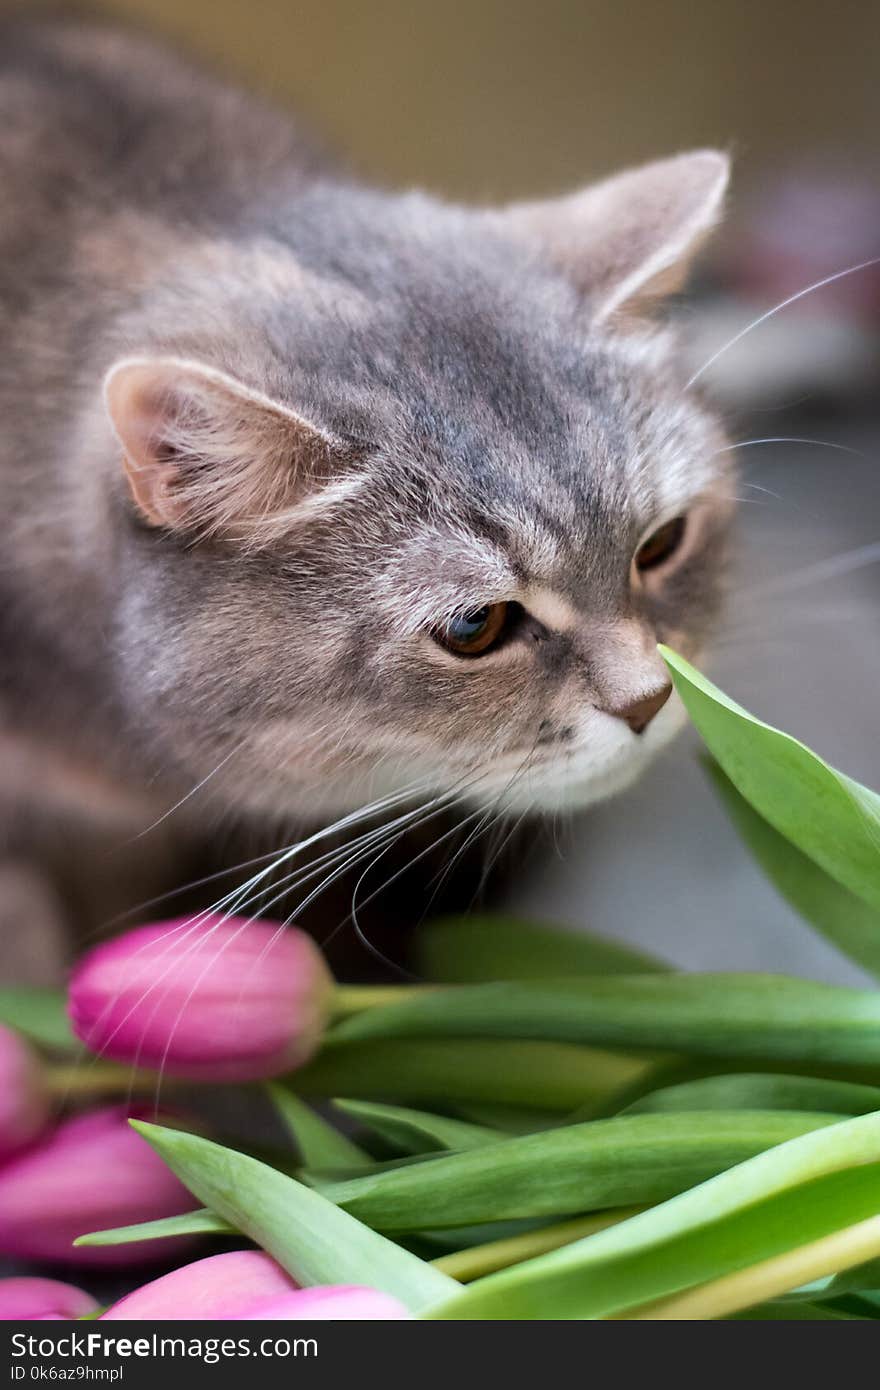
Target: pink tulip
{"type": "Point", "coordinates": [91, 1173]}
{"type": "Point", "coordinates": [334, 1303]}
{"type": "Point", "coordinates": [206, 998]}
{"type": "Point", "coordinates": [42, 1300]}
{"type": "Point", "coordinates": [219, 1287]}
{"type": "Point", "coordinates": [246, 1285]}
{"type": "Point", "coordinates": [24, 1100]}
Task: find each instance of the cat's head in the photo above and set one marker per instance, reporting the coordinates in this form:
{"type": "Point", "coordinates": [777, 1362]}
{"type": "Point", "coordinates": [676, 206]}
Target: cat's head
{"type": "Point", "coordinates": [414, 492]}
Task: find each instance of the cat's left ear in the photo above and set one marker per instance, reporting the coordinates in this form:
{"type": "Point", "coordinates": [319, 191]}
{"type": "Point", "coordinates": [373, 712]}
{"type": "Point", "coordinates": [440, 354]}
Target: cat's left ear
{"type": "Point", "coordinates": [205, 454]}
{"type": "Point", "coordinates": [629, 241]}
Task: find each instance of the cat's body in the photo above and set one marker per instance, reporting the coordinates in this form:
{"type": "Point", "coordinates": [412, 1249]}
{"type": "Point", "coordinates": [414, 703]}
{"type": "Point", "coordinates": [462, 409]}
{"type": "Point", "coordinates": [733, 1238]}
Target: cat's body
{"type": "Point", "coordinates": [267, 435]}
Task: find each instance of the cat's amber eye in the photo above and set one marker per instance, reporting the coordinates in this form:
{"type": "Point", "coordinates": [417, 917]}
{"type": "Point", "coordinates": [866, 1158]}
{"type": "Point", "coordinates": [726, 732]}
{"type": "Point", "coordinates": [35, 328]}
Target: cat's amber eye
{"type": "Point", "coordinates": [661, 545]}
{"type": "Point", "coordinates": [475, 633]}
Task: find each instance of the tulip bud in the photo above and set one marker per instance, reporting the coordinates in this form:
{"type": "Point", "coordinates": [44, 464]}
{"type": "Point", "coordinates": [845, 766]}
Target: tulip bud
{"type": "Point", "coordinates": [42, 1300]}
{"type": "Point", "coordinates": [246, 1285]}
{"type": "Point", "coordinates": [334, 1303]}
{"type": "Point", "coordinates": [218, 1287]}
{"type": "Point", "coordinates": [210, 998]}
{"type": "Point", "coordinates": [24, 1099]}
{"type": "Point", "coordinates": [91, 1173]}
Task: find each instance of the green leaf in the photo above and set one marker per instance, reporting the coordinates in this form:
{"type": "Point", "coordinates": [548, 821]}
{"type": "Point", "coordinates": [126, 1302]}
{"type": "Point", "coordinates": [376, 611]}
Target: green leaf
{"type": "Point", "coordinates": [192, 1223]}
{"type": "Point", "coordinates": [861, 1305]}
{"type": "Point", "coordinates": [318, 1143]}
{"type": "Point", "coordinates": [848, 1242]}
{"type": "Point", "coordinates": [511, 1119]}
{"type": "Point", "coordinates": [864, 1278]}
{"type": "Point", "coordinates": [834, 820]}
{"type": "Point", "coordinates": [792, 1312]}
{"type": "Point", "coordinates": [314, 1241]}
{"type": "Point", "coordinates": [769, 1016]}
{"type": "Point", "coordinates": [577, 1168]}
{"type": "Point", "coordinates": [761, 1091]}
{"type": "Point", "coordinates": [842, 918]}
{"type": "Point", "coordinates": [463, 950]}
{"type": "Point", "coordinates": [416, 1130]}
{"type": "Point", "coordinates": [787, 1196]}
{"type": "Point", "coordinates": [321, 1178]}
{"type": "Point", "coordinates": [547, 1076]}
{"type": "Point", "coordinates": [39, 1015]}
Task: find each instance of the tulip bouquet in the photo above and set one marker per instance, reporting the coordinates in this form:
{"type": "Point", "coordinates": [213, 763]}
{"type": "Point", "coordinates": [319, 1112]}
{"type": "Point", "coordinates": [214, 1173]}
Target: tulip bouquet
{"type": "Point", "coordinates": [549, 1126]}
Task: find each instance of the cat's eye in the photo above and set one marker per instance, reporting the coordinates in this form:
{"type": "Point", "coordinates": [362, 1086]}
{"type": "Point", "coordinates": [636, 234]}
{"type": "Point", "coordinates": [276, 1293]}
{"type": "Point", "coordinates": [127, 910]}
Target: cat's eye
{"type": "Point", "coordinates": [475, 633]}
{"type": "Point", "coordinates": [661, 545]}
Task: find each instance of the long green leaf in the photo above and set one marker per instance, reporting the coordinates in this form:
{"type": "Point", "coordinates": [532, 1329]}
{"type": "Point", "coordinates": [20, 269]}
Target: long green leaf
{"type": "Point", "coordinates": [864, 1278]}
{"type": "Point", "coordinates": [865, 1304]}
{"type": "Point", "coordinates": [314, 1240]}
{"type": "Point", "coordinates": [322, 1178]}
{"type": "Point", "coordinates": [416, 1130]}
{"type": "Point", "coordinates": [192, 1223]}
{"type": "Point", "coordinates": [499, 1249]}
{"type": "Point", "coordinates": [629, 1161]}
{"type": "Point", "coordinates": [549, 1076]}
{"type": "Point", "coordinates": [793, 1312]}
{"type": "Point", "coordinates": [843, 918]}
{"type": "Point", "coordinates": [319, 1144]}
{"type": "Point", "coordinates": [834, 820]}
{"type": "Point", "coordinates": [783, 1197]}
{"type": "Point", "coordinates": [761, 1091]}
{"type": "Point", "coordinates": [861, 1279]}
{"type": "Point", "coordinates": [39, 1015]}
{"type": "Point", "coordinates": [770, 1016]}
{"type": "Point", "coordinates": [512, 1119]}
{"type": "Point", "coordinates": [836, 1247]}
{"type": "Point", "coordinates": [463, 950]}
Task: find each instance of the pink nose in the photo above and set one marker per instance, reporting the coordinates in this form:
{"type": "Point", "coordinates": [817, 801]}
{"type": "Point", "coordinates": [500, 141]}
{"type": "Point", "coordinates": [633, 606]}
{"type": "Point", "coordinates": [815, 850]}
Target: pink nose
{"type": "Point", "coordinates": [639, 714]}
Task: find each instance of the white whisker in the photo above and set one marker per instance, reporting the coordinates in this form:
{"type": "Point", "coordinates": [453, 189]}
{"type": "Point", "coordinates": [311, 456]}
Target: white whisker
{"type": "Point", "coordinates": [235, 900]}
{"type": "Point", "coordinates": [386, 884]}
{"type": "Point", "coordinates": [192, 792]}
{"type": "Point", "coordinates": [349, 858]}
{"type": "Point", "coordinates": [791, 439]}
{"type": "Point", "coordinates": [792, 299]}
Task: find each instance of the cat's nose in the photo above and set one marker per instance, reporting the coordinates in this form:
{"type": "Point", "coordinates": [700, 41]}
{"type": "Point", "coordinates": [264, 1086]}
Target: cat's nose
{"type": "Point", "coordinates": [639, 714]}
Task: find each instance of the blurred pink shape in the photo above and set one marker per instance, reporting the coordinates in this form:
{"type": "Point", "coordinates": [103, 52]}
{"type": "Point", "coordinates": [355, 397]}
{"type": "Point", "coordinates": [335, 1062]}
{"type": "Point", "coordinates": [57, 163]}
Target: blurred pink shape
{"type": "Point", "coordinates": [42, 1300]}
{"type": "Point", "coordinates": [246, 1285]}
{"type": "Point", "coordinates": [24, 1101]}
{"type": "Point", "coordinates": [90, 1174]}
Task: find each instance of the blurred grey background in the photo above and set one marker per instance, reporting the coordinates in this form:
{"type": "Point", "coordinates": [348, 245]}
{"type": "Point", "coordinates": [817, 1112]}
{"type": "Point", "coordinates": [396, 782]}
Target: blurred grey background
{"type": "Point", "coordinates": [496, 98]}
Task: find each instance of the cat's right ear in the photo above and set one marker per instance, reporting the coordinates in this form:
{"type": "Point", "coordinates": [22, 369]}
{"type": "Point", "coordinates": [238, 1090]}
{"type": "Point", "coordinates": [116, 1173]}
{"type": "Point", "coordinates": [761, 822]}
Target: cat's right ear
{"type": "Point", "coordinates": [628, 242]}
{"type": "Point", "coordinates": [206, 454]}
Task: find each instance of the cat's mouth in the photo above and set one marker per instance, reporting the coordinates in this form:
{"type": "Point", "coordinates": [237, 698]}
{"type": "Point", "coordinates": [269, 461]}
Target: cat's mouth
{"type": "Point", "coordinates": [604, 757]}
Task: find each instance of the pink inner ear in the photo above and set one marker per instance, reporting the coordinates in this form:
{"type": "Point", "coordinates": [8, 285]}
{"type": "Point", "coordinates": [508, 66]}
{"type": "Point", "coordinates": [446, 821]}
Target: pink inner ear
{"type": "Point", "coordinates": [141, 404]}
{"type": "Point", "coordinates": [202, 452]}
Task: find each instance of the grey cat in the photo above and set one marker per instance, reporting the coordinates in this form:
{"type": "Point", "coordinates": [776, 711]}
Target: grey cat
{"type": "Point", "coordinates": [316, 496]}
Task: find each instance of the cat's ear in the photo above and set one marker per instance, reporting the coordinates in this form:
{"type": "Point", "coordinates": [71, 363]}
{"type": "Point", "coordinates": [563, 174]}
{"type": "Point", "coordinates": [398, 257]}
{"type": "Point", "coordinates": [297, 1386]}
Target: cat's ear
{"type": "Point", "coordinates": [205, 454]}
{"type": "Point", "coordinates": [628, 241]}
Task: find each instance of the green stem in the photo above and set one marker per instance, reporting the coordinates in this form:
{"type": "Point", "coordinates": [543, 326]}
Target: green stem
{"type": "Point", "coordinates": [354, 999]}
{"type": "Point", "coordinates": [99, 1078]}
{"type": "Point", "coordinates": [466, 1265]}
{"type": "Point", "coordinates": [556, 1077]}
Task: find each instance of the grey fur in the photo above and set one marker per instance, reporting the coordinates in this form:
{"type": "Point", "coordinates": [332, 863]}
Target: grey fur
{"type": "Point", "coordinates": [475, 429]}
